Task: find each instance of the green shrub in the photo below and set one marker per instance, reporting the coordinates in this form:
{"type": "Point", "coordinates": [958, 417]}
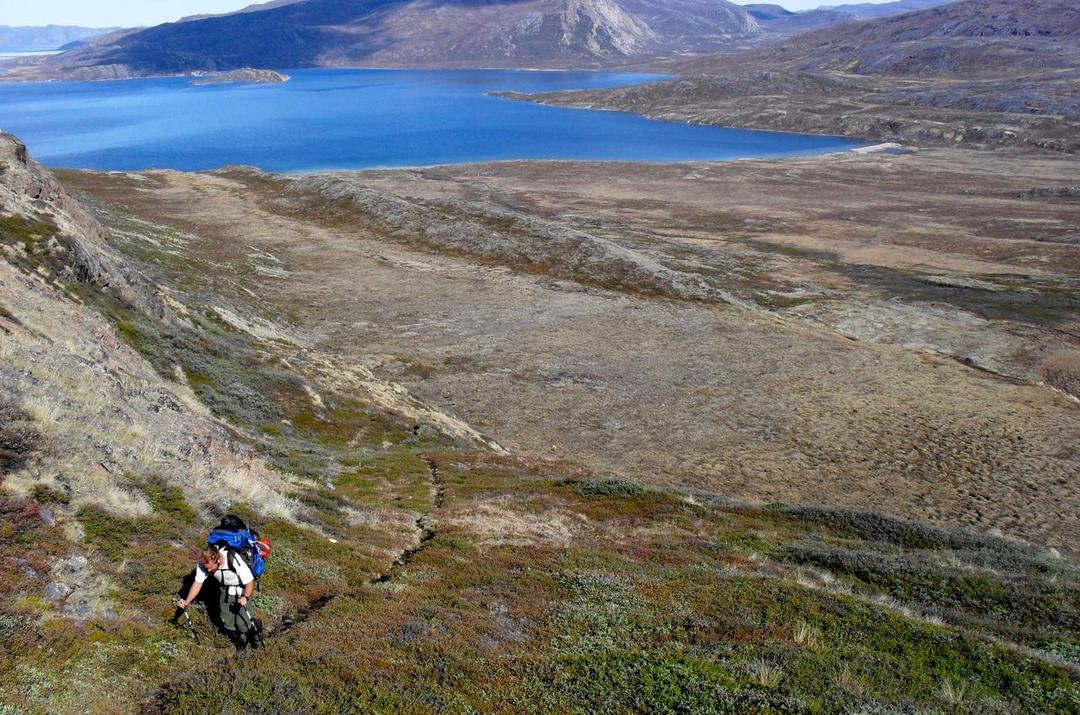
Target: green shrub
{"type": "Point", "coordinates": [607, 488]}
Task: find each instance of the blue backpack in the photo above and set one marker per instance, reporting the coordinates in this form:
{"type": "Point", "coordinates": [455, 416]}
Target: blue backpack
{"type": "Point", "coordinates": [234, 535]}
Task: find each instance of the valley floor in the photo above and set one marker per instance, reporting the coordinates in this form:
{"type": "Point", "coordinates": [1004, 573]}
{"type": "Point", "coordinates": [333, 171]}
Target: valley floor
{"type": "Point", "coordinates": [890, 332]}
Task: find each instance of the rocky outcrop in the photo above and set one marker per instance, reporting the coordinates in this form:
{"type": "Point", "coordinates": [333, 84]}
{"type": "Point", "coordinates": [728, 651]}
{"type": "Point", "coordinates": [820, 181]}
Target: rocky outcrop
{"type": "Point", "coordinates": [83, 415]}
{"type": "Point", "coordinates": [76, 243]}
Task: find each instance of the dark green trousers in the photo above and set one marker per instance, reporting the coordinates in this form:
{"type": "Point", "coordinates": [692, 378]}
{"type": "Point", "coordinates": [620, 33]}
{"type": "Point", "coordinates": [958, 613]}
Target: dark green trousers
{"type": "Point", "coordinates": [234, 618]}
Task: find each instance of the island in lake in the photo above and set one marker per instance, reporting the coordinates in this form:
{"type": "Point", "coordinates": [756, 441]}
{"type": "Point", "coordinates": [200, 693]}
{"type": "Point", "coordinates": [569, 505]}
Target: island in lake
{"type": "Point", "coordinates": [247, 75]}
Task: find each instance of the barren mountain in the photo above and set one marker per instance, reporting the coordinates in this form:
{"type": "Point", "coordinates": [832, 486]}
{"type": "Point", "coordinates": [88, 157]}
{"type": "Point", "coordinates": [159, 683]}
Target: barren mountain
{"type": "Point", "coordinates": [321, 33]}
{"type": "Point", "coordinates": [869, 11]}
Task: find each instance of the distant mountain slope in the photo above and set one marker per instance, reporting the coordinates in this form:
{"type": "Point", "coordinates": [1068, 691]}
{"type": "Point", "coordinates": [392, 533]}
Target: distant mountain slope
{"type": "Point", "coordinates": [775, 19]}
{"type": "Point", "coordinates": [794, 23]}
{"type": "Point", "coordinates": [49, 37]}
{"type": "Point", "coordinates": [250, 8]}
{"type": "Point", "coordinates": [870, 11]}
{"type": "Point", "coordinates": [764, 12]}
{"type": "Point", "coordinates": [511, 33]}
{"type": "Point", "coordinates": [969, 39]}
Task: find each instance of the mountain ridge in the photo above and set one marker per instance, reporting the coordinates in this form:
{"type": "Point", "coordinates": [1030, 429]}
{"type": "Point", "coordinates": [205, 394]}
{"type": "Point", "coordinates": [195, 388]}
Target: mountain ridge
{"type": "Point", "coordinates": [47, 37]}
{"type": "Point", "coordinates": [779, 20]}
{"type": "Point", "coordinates": [396, 33]}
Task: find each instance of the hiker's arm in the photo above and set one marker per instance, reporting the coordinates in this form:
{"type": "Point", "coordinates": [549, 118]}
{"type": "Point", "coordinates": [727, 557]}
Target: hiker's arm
{"type": "Point", "coordinates": [191, 594]}
{"type": "Point", "coordinates": [248, 589]}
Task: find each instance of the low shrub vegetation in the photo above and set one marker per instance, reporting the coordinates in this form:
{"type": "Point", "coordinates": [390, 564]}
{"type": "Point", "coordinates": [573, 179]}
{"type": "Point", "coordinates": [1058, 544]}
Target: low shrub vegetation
{"type": "Point", "coordinates": [418, 575]}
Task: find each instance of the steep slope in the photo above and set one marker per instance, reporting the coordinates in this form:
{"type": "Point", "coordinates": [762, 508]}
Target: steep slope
{"type": "Point", "coordinates": [416, 32]}
{"type": "Point", "coordinates": [126, 428]}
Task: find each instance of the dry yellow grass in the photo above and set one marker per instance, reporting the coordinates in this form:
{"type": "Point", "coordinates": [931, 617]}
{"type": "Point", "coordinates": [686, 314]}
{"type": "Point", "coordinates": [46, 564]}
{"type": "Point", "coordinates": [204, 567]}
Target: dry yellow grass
{"type": "Point", "coordinates": [1062, 370]}
{"type": "Point", "coordinates": [93, 399]}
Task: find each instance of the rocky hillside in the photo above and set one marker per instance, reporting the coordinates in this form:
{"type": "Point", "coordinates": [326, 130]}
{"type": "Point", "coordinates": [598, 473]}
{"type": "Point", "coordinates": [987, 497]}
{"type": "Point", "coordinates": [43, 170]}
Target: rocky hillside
{"type": "Point", "coordinates": [329, 33]}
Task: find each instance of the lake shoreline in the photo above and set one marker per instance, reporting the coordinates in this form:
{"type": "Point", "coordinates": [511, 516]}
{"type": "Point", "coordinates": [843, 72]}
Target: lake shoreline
{"type": "Point", "coordinates": [361, 119]}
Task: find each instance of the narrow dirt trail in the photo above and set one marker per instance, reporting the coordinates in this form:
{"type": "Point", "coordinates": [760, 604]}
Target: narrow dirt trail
{"type": "Point", "coordinates": [423, 525]}
{"type": "Point", "coordinates": [426, 535]}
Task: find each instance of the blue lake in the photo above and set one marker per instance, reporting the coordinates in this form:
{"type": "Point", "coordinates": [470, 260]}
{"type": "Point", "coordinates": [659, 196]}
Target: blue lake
{"type": "Point", "coordinates": [352, 119]}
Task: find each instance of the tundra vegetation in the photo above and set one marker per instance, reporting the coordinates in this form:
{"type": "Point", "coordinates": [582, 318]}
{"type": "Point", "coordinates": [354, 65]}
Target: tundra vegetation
{"type": "Point", "coordinates": [422, 570]}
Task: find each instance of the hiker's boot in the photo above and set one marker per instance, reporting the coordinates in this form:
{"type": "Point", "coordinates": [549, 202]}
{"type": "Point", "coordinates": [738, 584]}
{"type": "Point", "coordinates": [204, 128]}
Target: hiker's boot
{"type": "Point", "coordinates": [255, 634]}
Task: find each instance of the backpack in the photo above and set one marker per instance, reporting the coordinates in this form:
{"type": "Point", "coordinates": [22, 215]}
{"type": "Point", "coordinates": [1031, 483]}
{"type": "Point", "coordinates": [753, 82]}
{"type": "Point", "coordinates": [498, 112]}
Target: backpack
{"type": "Point", "coordinates": [235, 536]}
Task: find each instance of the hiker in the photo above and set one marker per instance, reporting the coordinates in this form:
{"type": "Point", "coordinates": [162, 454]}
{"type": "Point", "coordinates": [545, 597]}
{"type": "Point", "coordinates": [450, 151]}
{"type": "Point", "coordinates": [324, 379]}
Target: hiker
{"type": "Point", "coordinates": [236, 585]}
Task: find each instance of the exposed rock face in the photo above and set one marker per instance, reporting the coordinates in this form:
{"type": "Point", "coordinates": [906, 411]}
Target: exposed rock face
{"type": "Point", "coordinates": [601, 26]}
{"type": "Point", "coordinates": [95, 410]}
{"type": "Point", "coordinates": [320, 33]}
{"type": "Point", "coordinates": [28, 189]}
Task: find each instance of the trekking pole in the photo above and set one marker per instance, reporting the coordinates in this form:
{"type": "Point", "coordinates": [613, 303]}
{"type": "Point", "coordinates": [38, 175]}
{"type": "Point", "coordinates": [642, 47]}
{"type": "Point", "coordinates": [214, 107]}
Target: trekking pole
{"type": "Point", "coordinates": [188, 625]}
{"type": "Point", "coordinates": [256, 629]}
